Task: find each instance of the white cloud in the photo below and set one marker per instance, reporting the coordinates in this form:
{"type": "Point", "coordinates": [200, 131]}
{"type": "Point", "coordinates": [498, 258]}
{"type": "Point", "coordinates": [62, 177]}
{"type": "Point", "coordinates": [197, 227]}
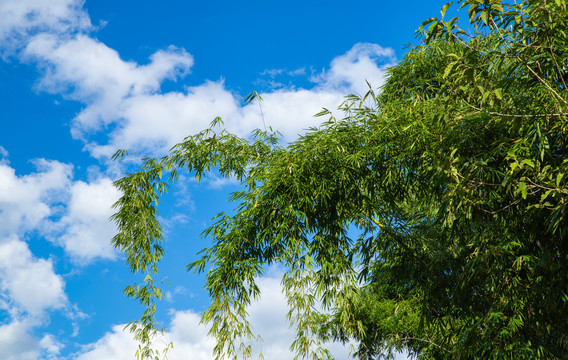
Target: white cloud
{"type": "Point", "coordinates": [72, 214]}
{"type": "Point", "coordinates": [189, 337]}
{"type": "Point", "coordinates": [50, 347]}
{"type": "Point", "coordinates": [30, 283]}
{"type": "Point", "coordinates": [191, 341]}
{"type": "Point", "coordinates": [155, 121]}
{"type": "Point", "coordinates": [16, 343]}
{"type": "Point", "coordinates": [123, 99]}
{"type": "Point", "coordinates": [42, 203]}
{"type": "Point", "coordinates": [25, 200]}
{"type": "Point", "coordinates": [29, 288]}
{"type": "Point", "coordinates": [20, 18]}
{"type": "Point", "coordinates": [86, 70]}
{"type": "Point", "coordinates": [115, 345]}
{"type": "Point", "coordinates": [289, 111]}
{"type": "Point", "coordinates": [87, 230]}
{"type": "Point", "coordinates": [350, 71]}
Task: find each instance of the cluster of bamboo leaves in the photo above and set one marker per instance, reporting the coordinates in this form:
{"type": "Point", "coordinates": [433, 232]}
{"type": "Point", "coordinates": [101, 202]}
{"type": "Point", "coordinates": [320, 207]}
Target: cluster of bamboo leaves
{"type": "Point", "coordinates": [430, 217]}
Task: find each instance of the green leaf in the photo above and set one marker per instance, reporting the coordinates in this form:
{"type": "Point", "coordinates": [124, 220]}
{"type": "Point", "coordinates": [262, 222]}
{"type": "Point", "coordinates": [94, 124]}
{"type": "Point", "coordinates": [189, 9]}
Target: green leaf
{"type": "Point", "coordinates": [499, 93]}
{"type": "Point", "coordinates": [559, 178]}
{"type": "Point", "coordinates": [251, 97]}
{"type": "Point", "coordinates": [428, 21]}
{"type": "Point", "coordinates": [485, 16]}
{"type": "Point", "coordinates": [545, 195]}
{"type": "Point", "coordinates": [523, 189]}
{"type": "Point", "coordinates": [528, 162]}
{"type": "Point", "coordinates": [449, 69]}
{"type": "Point", "coordinates": [445, 8]}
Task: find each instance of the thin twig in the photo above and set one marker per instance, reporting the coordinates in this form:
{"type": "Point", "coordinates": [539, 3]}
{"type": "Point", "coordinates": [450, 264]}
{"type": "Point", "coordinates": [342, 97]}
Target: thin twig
{"type": "Point", "coordinates": [511, 115]}
{"type": "Point", "coordinates": [424, 340]}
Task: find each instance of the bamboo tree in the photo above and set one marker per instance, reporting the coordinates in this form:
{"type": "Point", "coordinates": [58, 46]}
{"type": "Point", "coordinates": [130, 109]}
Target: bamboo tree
{"type": "Point", "coordinates": [431, 217]}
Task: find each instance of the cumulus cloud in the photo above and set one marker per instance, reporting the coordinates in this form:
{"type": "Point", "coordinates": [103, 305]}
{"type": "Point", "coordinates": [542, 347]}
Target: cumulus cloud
{"type": "Point", "coordinates": [29, 288]}
{"type": "Point", "coordinates": [123, 99]}
{"type": "Point", "coordinates": [191, 341]}
{"type": "Point", "coordinates": [351, 71]}
{"type": "Point", "coordinates": [87, 70]}
{"type": "Point", "coordinates": [155, 121]}
{"type": "Point", "coordinates": [50, 347]}
{"type": "Point", "coordinates": [45, 202]}
{"type": "Point", "coordinates": [87, 230]}
{"type": "Point", "coordinates": [117, 344]}
{"type": "Point", "coordinates": [73, 214]}
{"type": "Point", "coordinates": [16, 343]}
{"type": "Point", "coordinates": [20, 19]}
{"type": "Point", "coordinates": [31, 283]}
{"type": "Point", "coordinates": [25, 200]}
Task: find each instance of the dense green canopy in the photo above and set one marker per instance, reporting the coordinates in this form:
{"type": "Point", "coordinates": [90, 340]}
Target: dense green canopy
{"type": "Point", "coordinates": [431, 217]}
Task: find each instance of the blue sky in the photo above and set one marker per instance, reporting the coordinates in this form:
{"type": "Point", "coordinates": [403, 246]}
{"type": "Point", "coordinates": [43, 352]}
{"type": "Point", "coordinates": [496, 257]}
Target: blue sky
{"type": "Point", "coordinates": [80, 79]}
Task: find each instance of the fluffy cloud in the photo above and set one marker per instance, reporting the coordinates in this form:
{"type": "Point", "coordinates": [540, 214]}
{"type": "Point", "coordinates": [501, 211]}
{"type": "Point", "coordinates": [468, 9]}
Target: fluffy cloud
{"type": "Point", "coordinates": [73, 214]}
{"type": "Point", "coordinates": [117, 344]}
{"type": "Point", "coordinates": [87, 230]}
{"type": "Point", "coordinates": [45, 202]}
{"type": "Point", "coordinates": [20, 18]}
{"type": "Point", "coordinates": [25, 200]}
{"type": "Point", "coordinates": [29, 288]}
{"type": "Point", "coordinates": [30, 283]}
{"type": "Point", "coordinates": [16, 343]}
{"type": "Point", "coordinates": [123, 99]}
{"type": "Point", "coordinates": [50, 347]}
{"type": "Point", "coordinates": [86, 70]}
{"type": "Point", "coordinates": [156, 121]}
{"type": "Point", "coordinates": [351, 71]}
